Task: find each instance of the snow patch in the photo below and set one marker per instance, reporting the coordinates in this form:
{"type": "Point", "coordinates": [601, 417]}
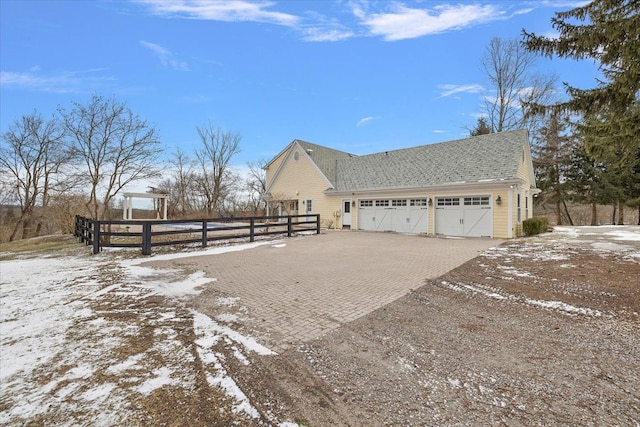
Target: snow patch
{"type": "Point", "coordinates": [227, 318]}
{"type": "Point", "coordinates": [162, 378]}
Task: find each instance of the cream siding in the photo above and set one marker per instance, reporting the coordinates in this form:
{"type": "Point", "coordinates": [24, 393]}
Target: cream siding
{"type": "Point", "coordinates": [273, 167]}
{"type": "Point", "coordinates": [300, 180]}
{"type": "Point", "coordinates": [501, 214]}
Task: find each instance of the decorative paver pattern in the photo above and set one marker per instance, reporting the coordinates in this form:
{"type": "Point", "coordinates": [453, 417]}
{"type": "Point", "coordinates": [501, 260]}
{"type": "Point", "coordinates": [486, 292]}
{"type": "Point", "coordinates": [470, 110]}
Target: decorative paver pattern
{"type": "Point", "coordinates": [299, 289]}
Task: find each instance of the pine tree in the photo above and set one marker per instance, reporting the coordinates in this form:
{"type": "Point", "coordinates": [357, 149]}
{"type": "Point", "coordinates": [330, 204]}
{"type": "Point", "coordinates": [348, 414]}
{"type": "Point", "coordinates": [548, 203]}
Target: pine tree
{"type": "Point", "coordinates": [609, 34]}
{"type": "Point", "coordinates": [589, 181]}
{"type": "Point", "coordinates": [481, 128]}
{"type": "Point", "coordinates": [552, 151]}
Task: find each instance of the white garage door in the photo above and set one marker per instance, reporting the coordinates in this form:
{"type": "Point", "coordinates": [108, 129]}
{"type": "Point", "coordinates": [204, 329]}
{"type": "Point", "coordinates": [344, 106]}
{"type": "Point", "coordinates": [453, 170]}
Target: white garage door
{"type": "Point", "coordinates": [400, 215]}
{"type": "Point", "coordinates": [464, 216]}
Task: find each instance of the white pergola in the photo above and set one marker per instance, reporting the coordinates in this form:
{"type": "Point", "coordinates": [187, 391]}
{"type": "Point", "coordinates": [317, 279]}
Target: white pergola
{"type": "Point", "coordinates": [127, 208]}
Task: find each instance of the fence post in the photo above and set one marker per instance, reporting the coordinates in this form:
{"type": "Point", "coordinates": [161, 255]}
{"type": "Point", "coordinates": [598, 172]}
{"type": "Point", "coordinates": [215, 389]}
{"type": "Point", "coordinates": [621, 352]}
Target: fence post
{"type": "Point", "coordinates": [75, 226]}
{"type": "Point", "coordinates": [317, 223]}
{"type": "Point", "coordinates": [252, 231]}
{"type": "Point", "coordinates": [205, 233]}
{"type": "Point", "coordinates": [289, 226]}
{"type": "Point", "coordinates": [146, 238]}
{"type": "Point", "coordinates": [79, 232]}
{"type": "Point", "coordinates": [96, 237]}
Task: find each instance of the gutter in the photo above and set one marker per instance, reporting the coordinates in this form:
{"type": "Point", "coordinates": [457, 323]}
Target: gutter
{"type": "Point", "coordinates": [453, 186]}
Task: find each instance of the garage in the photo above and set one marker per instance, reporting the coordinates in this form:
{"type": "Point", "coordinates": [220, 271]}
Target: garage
{"type": "Point", "coordinates": [468, 216]}
{"type": "Point", "coordinates": [399, 215]}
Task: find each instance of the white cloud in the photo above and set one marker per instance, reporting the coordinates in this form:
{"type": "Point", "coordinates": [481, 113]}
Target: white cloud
{"type": "Point", "coordinates": [439, 131]}
{"type": "Point", "coordinates": [365, 120]}
{"type": "Point", "coordinates": [318, 34]}
{"type": "Point", "coordinates": [405, 23]}
{"type": "Point", "coordinates": [448, 89]}
{"type": "Point", "coordinates": [222, 10]}
{"type": "Point", "coordinates": [63, 82]}
{"type": "Point", "coordinates": [165, 56]}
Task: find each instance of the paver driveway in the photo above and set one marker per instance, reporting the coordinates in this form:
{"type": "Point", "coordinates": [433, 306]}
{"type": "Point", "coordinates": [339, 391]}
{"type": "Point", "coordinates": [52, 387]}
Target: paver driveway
{"type": "Point", "coordinates": [298, 289]}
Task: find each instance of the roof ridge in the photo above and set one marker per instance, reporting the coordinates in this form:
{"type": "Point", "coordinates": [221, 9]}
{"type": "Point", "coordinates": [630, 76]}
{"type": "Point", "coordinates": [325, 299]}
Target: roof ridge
{"type": "Point", "coordinates": [415, 147]}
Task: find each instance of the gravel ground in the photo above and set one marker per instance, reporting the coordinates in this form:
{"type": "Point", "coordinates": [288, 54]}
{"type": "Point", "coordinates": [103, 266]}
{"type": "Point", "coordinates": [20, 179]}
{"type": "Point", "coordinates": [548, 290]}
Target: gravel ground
{"type": "Point", "coordinates": [537, 331]}
{"type": "Point", "coordinates": [540, 331]}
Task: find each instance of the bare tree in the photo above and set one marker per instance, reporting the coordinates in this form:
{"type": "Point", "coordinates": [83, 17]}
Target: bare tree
{"type": "Point", "coordinates": [180, 185]}
{"type": "Point", "coordinates": [32, 152]}
{"type": "Point", "coordinates": [256, 184]}
{"type": "Point", "coordinates": [214, 156]}
{"type": "Point", "coordinates": [115, 145]}
{"type": "Point", "coordinates": [508, 66]}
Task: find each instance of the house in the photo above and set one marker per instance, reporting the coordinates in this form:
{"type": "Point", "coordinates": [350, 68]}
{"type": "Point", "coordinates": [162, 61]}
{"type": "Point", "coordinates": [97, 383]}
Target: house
{"type": "Point", "coordinates": [480, 186]}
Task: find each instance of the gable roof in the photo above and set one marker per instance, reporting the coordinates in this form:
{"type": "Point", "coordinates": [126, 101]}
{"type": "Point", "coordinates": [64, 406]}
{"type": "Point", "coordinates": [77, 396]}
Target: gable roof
{"type": "Point", "coordinates": [491, 157]}
{"type": "Point", "coordinates": [483, 158]}
{"type": "Point", "coordinates": [325, 158]}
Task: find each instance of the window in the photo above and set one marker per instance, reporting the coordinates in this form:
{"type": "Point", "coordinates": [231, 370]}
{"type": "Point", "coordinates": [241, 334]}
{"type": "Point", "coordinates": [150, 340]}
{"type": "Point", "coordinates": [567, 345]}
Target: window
{"type": "Point", "coordinates": [366, 203]}
{"type": "Point", "coordinates": [418, 202]}
{"type": "Point", "coordinates": [399, 202]}
{"type": "Point", "coordinates": [382, 203]}
{"type": "Point", "coordinates": [476, 201]}
{"type": "Point", "coordinates": [449, 201]}
{"type": "Point", "coordinates": [526, 207]}
{"type": "Point", "coordinates": [296, 156]}
{"type": "Point", "coordinates": [309, 208]}
{"type": "Point", "coordinates": [294, 206]}
{"type": "Point", "coordinates": [519, 214]}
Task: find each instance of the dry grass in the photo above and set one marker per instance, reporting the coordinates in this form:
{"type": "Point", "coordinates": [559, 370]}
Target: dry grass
{"type": "Point", "coordinates": [46, 244]}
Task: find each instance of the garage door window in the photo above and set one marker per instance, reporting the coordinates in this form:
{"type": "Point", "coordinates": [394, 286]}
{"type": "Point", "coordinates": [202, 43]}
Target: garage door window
{"type": "Point", "coordinates": [449, 201]}
{"type": "Point", "coordinates": [366, 203]}
{"type": "Point", "coordinates": [402, 202]}
{"type": "Point", "coordinates": [382, 203]}
{"type": "Point", "coordinates": [418, 202]}
{"type": "Point", "coordinates": [476, 201]}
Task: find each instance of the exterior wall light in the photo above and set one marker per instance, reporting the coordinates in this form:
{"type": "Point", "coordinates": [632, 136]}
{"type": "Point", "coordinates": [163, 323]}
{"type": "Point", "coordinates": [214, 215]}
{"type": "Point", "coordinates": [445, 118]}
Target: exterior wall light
{"type": "Point", "coordinates": [353, 203]}
{"type": "Point", "coordinates": [430, 201]}
{"type": "Point", "coordinates": [499, 200]}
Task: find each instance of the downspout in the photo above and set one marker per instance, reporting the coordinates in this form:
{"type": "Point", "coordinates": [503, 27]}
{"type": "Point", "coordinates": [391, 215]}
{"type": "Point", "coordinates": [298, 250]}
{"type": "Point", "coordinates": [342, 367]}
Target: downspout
{"type": "Point", "coordinates": [510, 212]}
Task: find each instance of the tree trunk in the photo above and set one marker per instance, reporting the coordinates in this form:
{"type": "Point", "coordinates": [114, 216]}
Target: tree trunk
{"type": "Point", "coordinates": [566, 211]}
{"type": "Point", "coordinates": [613, 215]}
{"type": "Point", "coordinates": [15, 229]}
{"type": "Point", "coordinates": [594, 213]}
{"type": "Point", "coordinates": [558, 213]}
{"type": "Point", "coordinates": [26, 227]}
{"type": "Point", "coordinates": [620, 212]}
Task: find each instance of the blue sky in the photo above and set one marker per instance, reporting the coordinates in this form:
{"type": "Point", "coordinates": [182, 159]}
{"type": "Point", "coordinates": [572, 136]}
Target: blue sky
{"type": "Point", "coordinates": [357, 76]}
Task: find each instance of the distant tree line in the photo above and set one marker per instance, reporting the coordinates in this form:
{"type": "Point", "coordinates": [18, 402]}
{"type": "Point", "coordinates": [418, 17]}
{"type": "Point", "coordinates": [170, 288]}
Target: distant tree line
{"type": "Point", "coordinates": [82, 157]}
{"type": "Point", "coordinates": [586, 148]}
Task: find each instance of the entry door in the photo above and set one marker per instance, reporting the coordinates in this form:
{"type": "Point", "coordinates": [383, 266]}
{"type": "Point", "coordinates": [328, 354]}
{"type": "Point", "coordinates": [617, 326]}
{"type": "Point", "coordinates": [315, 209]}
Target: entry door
{"type": "Point", "coordinates": [346, 213]}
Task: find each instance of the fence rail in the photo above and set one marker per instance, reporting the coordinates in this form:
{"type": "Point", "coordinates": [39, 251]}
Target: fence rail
{"type": "Point", "coordinates": [149, 234]}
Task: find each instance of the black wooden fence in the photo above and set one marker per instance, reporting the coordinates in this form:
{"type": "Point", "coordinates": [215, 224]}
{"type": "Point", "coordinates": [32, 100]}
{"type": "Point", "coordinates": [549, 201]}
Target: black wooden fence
{"type": "Point", "coordinates": [147, 234]}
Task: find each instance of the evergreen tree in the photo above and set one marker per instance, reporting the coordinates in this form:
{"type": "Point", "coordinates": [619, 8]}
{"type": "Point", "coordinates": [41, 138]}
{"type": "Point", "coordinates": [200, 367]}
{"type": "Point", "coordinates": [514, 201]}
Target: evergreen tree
{"type": "Point", "coordinates": [552, 158]}
{"type": "Point", "coordinates": [481, 128]}
{"type": "Point", "coordinates": [589, 181]}
{"type": "Point", "coordinates": [609, 34]}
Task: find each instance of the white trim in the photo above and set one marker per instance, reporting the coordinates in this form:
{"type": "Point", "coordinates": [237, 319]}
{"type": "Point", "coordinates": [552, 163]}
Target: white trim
{"type": "Point", "coordinates": [509, 213]}
{"type": "Point", "coordinates": [292, 148]}
{"type": "Point", "coordinates": [443, 188]}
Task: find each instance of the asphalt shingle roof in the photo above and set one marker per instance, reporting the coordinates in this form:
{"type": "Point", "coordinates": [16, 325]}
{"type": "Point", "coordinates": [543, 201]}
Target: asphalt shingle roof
{"type": "Point", "coordinates": [479, 158]}
{"type": "Point", "coordinates": [325, 158]}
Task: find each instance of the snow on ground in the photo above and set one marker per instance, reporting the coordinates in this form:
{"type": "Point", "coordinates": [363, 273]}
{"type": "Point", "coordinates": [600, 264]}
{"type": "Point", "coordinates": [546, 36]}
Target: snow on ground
{"type": "Point", "coordinates": [66, 328]}
{"type": "Point", "coordinates": [556, 246]}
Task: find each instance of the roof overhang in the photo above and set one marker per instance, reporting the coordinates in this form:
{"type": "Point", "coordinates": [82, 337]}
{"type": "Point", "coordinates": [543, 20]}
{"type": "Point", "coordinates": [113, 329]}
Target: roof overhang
{"type": "Point", "coordinates": [148, 195]}
{"type": "Point", "coordinates": [486, 185]}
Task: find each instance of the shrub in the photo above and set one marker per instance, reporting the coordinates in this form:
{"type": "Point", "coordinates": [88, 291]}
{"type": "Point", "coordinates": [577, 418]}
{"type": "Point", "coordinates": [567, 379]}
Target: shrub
{"type": "Point", "coordinates": [535, 225]}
